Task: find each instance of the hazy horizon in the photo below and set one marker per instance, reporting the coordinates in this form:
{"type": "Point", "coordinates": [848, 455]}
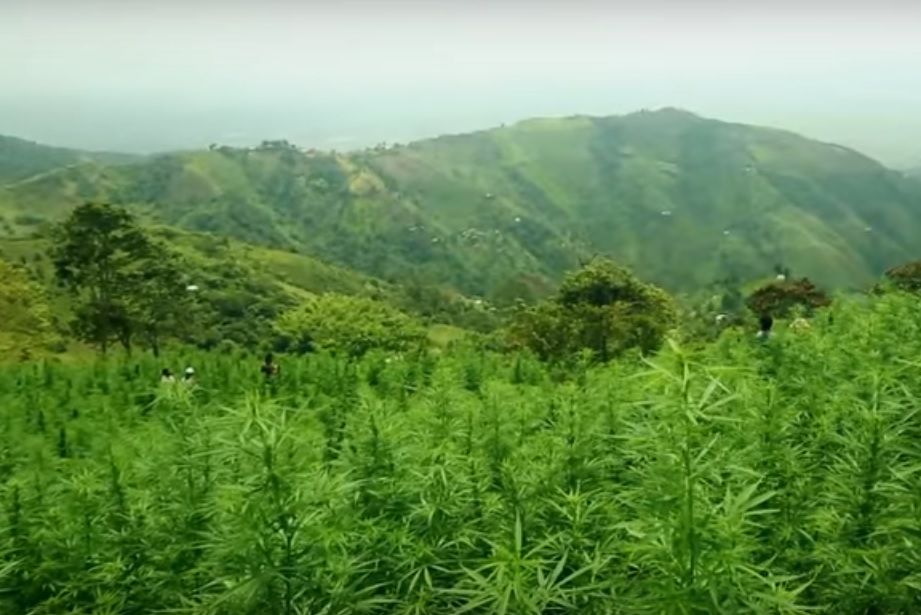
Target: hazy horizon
{"type": "Point", "coordinates": [122, 76]}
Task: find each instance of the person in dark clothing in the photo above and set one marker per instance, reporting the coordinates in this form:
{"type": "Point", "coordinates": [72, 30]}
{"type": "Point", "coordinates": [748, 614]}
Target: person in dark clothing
{"type": "Point", "coordinates": [270, 369]}
{"type": "Point", "coordinates": [766, 323]}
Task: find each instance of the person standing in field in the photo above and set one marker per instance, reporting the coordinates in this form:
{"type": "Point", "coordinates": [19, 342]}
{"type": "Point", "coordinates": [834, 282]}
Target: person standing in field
{"type": "Point", "coordinates": [188, 378]}
{"type": "Point", "coordinates": [270, 372]}
{"type": "Point", "coordinates": [270, 369]}
{"type": "Point", "coordinates": [765, 323]}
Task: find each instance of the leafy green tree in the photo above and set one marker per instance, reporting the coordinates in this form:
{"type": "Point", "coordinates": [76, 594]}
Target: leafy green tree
{"type": "Point", "coordinates": [98, 252]}
{"type": "Point", "coordinates": [347, 325]}
{"type": "Point", "coordinates": [601, 307]}
{"type": "Point", "coordinates": [546, 329]}
{"type": "Point", "coordinates": [124, 285]}
{"type": "Point", "coordinates": [162, 305]}
{"type": "Point", "coordinates": [26, 326]}
{"type": "Point", "coordinates": [780, 297]}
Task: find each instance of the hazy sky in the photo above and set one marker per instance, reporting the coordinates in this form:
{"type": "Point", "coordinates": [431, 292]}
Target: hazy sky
{"type": "Point", "coordinates": [153, 75]}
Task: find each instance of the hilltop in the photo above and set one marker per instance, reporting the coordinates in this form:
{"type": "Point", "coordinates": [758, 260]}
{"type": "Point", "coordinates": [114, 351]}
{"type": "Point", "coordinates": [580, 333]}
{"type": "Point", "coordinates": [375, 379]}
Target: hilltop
{"type": "Point", "coordinates": [684, 200]}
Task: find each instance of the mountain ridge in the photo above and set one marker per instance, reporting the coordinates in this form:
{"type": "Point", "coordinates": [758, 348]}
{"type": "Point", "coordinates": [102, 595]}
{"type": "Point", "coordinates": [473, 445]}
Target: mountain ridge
{"type": "Point", "coordinates": [685, 200]}
{"type": "Point", "coordinates": [22, 158]}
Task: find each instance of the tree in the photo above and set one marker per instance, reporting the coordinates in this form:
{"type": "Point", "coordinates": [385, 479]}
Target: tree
{"type": "Point", "coordinates": [347, 325]}
{"type": "Point", "coordinates": [123, 284]}
{"type": "Point", "coordinates": [780, 297]}
{"type": "Point", "coordinates": [601, 307]}
{"type": "Point", "coordinates": [544, 328]}
{"type": "Point", "coordinates": [519, 287]}
{"type": "Point", "coordinates": [162, 305]}
{"type": "Point", "coordinates": [26, 326]}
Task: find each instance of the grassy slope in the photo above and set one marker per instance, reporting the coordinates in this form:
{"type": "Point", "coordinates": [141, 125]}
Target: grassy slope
{"type": "Point", "coordinates": [223, 269]}
{"type": "Point", "coordinates": [476, 211]}
{"type": "Point", "coordinates": [299, 273]}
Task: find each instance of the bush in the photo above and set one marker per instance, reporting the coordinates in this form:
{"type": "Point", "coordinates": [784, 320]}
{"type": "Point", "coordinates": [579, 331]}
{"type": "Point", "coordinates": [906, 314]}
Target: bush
{"type": "Point", "coordinates": [26, 326]}
{"type": "Point", "coordinates": [602, 308]}
{"type": "Point", "coordinates": [346, 325]}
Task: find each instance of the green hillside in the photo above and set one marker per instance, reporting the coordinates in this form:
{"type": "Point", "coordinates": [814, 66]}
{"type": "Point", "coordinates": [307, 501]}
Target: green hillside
{"type": "Point", "coordinates": [243, 288]}
{"type": "Point", "coordinates": [685, 201]}
{"type": "Point", "coordinates": [20, 159]}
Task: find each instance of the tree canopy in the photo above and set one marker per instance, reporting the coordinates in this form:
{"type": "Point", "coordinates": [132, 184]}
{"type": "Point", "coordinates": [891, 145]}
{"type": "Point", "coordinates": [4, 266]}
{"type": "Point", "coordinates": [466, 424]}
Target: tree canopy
{"type": "Point", "coordinates": [348, 325]}
{"type": "Point", "coordinates": [601, 307]}
{"type": "Point", "coordinates": [123, 285]}
{"type": "Point", "coordinates": [26, 327]}
{"type": "Point", "coordinates": [780, 297]}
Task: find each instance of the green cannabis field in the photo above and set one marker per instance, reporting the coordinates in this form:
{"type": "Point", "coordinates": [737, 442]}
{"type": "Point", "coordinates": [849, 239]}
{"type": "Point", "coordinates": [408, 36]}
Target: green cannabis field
{"type": "Point", "coordinates": [735, 477]}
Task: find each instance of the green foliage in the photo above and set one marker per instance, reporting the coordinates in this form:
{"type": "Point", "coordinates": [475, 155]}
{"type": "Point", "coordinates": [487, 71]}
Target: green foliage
{"type": "Point", "coordinates": [906, 277]}
{"type": "Point", "coordinates": [347, 325]}
{"type": "Point", "coordinates": [235, 305]}
{"type": "Point", "coordinates": [779, 298]}
{"type": "Point", "coordinates": [26, 325]}
{"type": "Point", "coordinates": [438, 305]}
{"type": "Point", "coordinates": [242, 289]}
{"type": "Point", "coordinates": [162, 306]}
{"type": "Point", "coordinates": [98, 254]}
{"type": "Point", "coordinates": [123, 285]}
{"type": "Point", "coordinates": [547, 329]}
{"type": "Point", "coordinates": [739, 478]}
{"type": "Point", "coordinates": [601, 307]}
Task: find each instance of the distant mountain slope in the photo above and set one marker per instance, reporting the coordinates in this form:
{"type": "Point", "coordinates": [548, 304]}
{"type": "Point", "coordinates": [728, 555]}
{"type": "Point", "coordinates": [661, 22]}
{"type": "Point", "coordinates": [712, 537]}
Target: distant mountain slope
{"type": "Point", "coordinates": [20, 158]}
{"type": "Point", "coordinates": [683, 200]}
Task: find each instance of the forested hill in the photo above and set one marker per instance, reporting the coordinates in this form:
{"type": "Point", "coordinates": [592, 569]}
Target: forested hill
{"type": "Point", "coordinates": [20, 159]}
{"type": "Point", "coordinates": [685, 201]}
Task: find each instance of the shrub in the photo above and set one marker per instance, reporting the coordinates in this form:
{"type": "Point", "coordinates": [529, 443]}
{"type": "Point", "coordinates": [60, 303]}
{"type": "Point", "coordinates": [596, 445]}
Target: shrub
{"type": "Point", "coordinates": [346, 325]}
{"type": "Point", "coordinates": [26, 325]}
{"type": "Point", "coordinates": [601, 307]}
